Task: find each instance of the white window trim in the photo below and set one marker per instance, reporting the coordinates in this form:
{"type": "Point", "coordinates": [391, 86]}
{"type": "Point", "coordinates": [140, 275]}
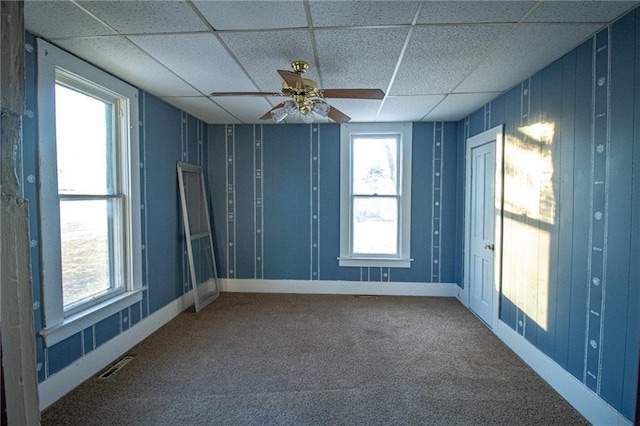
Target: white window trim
{"type": "Point", "coordinates": [347, 258]}
{"type": "Point", "coordinates": [57, 326]}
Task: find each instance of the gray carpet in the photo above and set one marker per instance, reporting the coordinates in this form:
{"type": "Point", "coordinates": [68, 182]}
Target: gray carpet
{"type": "Point", "coordinates": [270, 359]}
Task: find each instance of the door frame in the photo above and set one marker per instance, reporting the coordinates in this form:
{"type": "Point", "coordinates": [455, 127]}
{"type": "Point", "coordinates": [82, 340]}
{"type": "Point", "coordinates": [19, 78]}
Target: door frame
{"type": "Point", "coordinates": [495, 134]}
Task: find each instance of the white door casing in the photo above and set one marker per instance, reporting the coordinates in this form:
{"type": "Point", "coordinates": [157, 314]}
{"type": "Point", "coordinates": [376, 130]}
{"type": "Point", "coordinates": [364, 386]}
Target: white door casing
{"type": "Point", "coordinates": [483, 207]}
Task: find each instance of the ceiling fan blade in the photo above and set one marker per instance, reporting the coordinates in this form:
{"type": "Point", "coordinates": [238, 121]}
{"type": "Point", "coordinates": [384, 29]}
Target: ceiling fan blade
{"type": "Point", "coordinates": [292, 79]}
{"type": "Point", "coordinates": [267, 115]}
{"type": "Point", "coordinates": [353, 93]}
{"type": "Point", "coordinates": [337, 115]}
{"type": "Point", "coordinates": [244, 94]}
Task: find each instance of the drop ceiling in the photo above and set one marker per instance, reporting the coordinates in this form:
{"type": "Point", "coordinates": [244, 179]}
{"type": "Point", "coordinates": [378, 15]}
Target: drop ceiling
{"type": "Point", "coordinates": [435, 60]}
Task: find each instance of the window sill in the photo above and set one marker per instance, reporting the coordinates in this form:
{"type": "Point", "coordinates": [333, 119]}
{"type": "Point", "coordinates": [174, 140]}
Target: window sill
{"type": "Point", "coordinates": [78, 322]}
{"type": "Point", "coordinates": [373, 262]}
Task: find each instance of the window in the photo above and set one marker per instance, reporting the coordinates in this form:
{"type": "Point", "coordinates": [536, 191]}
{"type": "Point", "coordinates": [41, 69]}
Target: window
{"type": "Point", "coordinates": [375, 194]}
{"type": "Point", "coordinates": [89, 183]}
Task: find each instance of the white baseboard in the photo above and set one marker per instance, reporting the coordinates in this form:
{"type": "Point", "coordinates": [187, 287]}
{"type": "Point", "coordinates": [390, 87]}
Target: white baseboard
{"type": "Point", "coordinates": [590, 405]}
{"type": "Point", "coordinates": [461, 295]}
{"type": "Point", "coordinates": [59, 384]}
{"type": "Point", "coordinates": [376, 288]}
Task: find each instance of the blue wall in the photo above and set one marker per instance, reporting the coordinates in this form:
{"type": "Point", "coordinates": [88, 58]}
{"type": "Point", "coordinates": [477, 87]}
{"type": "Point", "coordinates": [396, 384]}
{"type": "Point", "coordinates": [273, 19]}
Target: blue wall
{"type": "Point", "coordinates": [275, 193]}
{"type": "Point", "coordinates": [571, 237]}
{"type": "Point", "coordinates": [167, 135]}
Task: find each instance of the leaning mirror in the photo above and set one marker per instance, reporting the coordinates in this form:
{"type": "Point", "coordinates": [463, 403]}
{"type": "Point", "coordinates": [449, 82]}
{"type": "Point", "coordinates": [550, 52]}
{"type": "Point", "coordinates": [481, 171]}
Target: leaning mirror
{"type": "Point", "coordinates": [197, 229]}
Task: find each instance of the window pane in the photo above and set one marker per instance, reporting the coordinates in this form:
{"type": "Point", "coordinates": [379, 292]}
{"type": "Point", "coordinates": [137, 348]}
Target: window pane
{"type": "Point", "coordinates": [375, 163]}
{"type": "Point", "coordinates": [195, 203]}
{"type": "Point", "coordinates": [375, 225]}
{"type": "Point", "coordinates": [84, 145]}
{"type": "Point", "coordinates": [202, 259]}
{"type": "Point", "coordinates": [87, 259]}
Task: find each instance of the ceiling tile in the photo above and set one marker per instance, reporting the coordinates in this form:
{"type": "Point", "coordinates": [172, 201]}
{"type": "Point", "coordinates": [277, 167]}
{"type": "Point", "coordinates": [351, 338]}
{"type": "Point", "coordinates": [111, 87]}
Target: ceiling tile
{"type": "Point", "coordinates": [122, 58]}
{"type": "Point", "coordinates": [360, 110]}
{"type": "Point", "coordinates": [51, 20]}
{"type": "Point", "coordinates": [457, 106]}
{"type": "Point", "coordinates": [465, 46]}
{"type": "Point", "coordinates": [580, 11]}
{"type": "Point", "coordinates": [202, 108]}
{"type": "Point", "coordinates": [407, 108]}
{"type": "Point", "coordinates": [247, 109]}
{"type": "Point", "coordinates": [263, 53]}
{"type": "Point", "coordinates": [511, 63]}
{"type": "Point", "coordinates": [253, 15]}
{"type": "Point", "coordinates": [359, 13]}
{"type": "Point", "coordinates": [146, 17]}
{"type": "Point", "coordinates": [359, 58]}
{"type": "Point", "coordinates": [438, 57]}
{"type": "Point", "coordinates": [451, 12]}
{"type": "Point", "coordinates": [200, 59]}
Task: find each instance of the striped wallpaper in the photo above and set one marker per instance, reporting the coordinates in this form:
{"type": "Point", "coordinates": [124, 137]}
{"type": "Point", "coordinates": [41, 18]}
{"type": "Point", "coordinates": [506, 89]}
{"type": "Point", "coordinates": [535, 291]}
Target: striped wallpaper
{"type": "Point", "coordinates": [279, 185]}
{"type": "Point", "coordinates": [571, 237]}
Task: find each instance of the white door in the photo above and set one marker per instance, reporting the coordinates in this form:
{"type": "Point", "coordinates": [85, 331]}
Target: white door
{"type": "Point", "coordinates": [481, 217]}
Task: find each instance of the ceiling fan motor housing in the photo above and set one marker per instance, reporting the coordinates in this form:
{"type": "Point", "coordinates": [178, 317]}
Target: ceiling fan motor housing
{"type": "Point", "coordinates": [299, 66]}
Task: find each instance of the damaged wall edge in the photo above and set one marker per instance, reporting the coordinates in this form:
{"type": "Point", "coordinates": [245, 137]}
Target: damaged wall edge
{"type": "Point", "coordinates": [16, 314]}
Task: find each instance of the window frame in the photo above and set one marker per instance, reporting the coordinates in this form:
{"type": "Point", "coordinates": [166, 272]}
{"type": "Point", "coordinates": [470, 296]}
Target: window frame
{"type": "Point", "coordinates": [55, 65]}
{"type": "Point", "coordinates": [349, 131]}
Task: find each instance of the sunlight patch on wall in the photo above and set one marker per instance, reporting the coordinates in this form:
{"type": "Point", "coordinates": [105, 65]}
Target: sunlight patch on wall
{"type": "Point", "coordinates": [526, 269]}
{"type": "Point", "coordinates": [528, 184]}
{"type": "Point", "coordinates": [540, 132]}
{"type": "Point", "coordinates": [529, 215]}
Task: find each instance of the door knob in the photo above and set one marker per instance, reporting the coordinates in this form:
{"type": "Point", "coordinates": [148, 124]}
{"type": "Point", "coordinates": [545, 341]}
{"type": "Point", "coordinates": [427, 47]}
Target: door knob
{"type": "Point", "coordinates": [489, 246]}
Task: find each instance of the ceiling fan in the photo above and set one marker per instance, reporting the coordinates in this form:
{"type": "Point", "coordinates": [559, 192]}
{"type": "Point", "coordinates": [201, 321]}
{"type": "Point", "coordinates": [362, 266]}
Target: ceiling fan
{"type": "Point", "coordinates": [306, 99]}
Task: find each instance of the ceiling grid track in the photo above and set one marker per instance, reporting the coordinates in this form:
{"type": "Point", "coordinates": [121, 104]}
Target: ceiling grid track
{"type": "Point", "coordinates": [214, 32]}
{"type": "Point", "coordinates": [183, 51]}
{"type": "Point", "coordinates": [126, 37]}
{"type": "Point", "coordinates": [498, 43]}
{"type": "Point", "coordinates": [314, 46]}
{"type": "Point", "coordinates": [401, 56]}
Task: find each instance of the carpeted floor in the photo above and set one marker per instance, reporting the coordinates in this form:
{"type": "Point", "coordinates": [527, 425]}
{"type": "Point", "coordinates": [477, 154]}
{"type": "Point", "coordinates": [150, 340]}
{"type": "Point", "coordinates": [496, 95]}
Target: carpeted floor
{"type": "Point", "coordinates": [272, 359]}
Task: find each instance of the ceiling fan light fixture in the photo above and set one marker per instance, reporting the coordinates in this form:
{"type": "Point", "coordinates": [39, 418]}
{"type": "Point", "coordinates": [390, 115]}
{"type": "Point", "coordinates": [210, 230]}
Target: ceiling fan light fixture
{"type": "Point", "coordinates": [279, 114]}
{"type": "Point", "coordinates": [290, 107]}
{"type": "Point", "coordinates": [321, 108]}
{"type": "Point", "coordinates": [308, 118]}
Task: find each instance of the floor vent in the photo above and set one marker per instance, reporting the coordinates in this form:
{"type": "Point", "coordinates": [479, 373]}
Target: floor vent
{"type": "Point", "coordinates": [115, 367]}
